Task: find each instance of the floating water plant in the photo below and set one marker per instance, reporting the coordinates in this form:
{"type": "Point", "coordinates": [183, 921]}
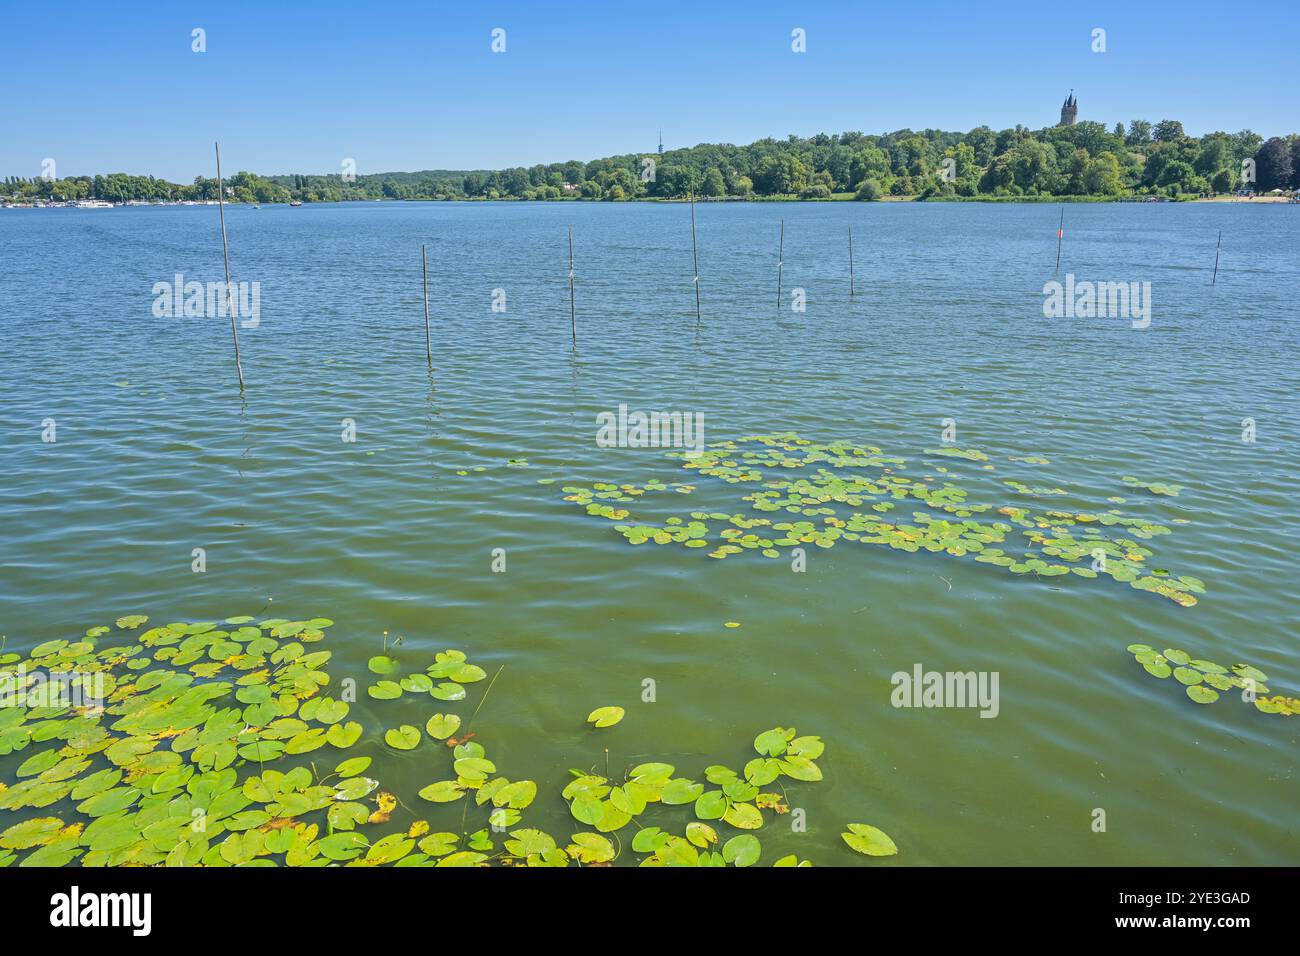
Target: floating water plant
{"type": "Point", "coordinates": [952, 451]}
{"type": "Point", "coordinates": [1034, 491]}
{"type": "Point", "coordinates": [605, 716]}
{"type": "Point", "coordinates": [1204, 681]}
{"type": "Point", "coordinates": [210, 743]}
{"type": "Point", "coordinates": [869, 840]}
{"type": "Point", "coordinates": [793, 492]}
{"type": "Point", "coordinates": [1155, 487]}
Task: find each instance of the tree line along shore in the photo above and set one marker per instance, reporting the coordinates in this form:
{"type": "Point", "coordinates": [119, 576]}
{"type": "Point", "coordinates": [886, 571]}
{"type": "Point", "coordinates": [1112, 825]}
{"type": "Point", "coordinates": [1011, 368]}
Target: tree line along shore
{"type": "Point", "coordinates": [1085, 161]}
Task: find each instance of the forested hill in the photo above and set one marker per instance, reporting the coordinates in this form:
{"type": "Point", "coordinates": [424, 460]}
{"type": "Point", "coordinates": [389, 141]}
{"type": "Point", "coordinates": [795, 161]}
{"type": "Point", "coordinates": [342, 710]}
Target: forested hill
{"type": "Point", "coordinates": [1087, 159]}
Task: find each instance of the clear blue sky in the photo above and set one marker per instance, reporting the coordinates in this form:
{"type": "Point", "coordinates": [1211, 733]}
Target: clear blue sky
{"type": "Point", "coordinates": [405, 86]}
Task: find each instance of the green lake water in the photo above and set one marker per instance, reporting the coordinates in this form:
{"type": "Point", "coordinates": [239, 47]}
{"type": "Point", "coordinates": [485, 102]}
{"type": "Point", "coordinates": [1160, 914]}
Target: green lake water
{"type": "Point", "coordinates": [157, 454]}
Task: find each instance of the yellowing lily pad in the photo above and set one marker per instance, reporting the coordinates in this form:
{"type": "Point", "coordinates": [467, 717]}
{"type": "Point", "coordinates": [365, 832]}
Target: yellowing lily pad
{"type": "Point", "coordinates": [605, 716]}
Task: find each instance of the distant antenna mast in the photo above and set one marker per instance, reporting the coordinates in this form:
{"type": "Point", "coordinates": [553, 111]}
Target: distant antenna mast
{"type": "Point", "coordinates": [661, 142]}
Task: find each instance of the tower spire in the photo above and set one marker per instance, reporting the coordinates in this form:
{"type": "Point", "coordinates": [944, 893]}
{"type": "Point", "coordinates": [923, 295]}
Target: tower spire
{"type": "Point", "coordinates": [1069, 110]}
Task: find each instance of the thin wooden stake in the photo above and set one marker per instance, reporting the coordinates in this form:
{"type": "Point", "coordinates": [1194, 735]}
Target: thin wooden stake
{"type": "Point", "coordinates": [1060, 231]}
{"type": "Point", "coordinates": [695, 255]}
{"type": "Point", "coordinates": [780, 264]}
{"type": "Point", "coordinates": [225, 252]}
{"type": "Point", "coordinates": [428, 343]}
{"type": "Point", "coordinates": [850, 260]}
{"type": "Point", "coordinates": [573, 310]}
{"type": "Point", "coordinates": [1216, 258]}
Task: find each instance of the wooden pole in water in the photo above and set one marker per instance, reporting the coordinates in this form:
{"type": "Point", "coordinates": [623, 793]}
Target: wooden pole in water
{"type": "Point", "coordinates": [1060, 231]}
{"type": "Point", "coordinates": [780, 264]}
{"type": "Point", "coordinates": [225, 252]}
{"type": "Point", "coordinates": [695, 255]}
{"type": "Point", "coordinates": [573, 310]}
{"type": "Point", "coordinates": [428, 344]}
{"type": "Point", "coordinates": [1216, 258]}
{"type": "Point", "coordinates": [850, 260]}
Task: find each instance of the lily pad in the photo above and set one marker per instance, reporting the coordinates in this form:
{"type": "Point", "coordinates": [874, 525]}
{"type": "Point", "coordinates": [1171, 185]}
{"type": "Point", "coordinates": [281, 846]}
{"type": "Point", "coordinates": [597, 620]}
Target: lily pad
{"type": "Point", "coordinates": [869, 840]}
{"type": "Point", "coordinates": [442, 726]}
{"type": "Point", "coordinates": [605, 716]}
{"type": "Point", "coordinates": [743, 850]}
{"type": "Point", "coordinates": [405, 737]}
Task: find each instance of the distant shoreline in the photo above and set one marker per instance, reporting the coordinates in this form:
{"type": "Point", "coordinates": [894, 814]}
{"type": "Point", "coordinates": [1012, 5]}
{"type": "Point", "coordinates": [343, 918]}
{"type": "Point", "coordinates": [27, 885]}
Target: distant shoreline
{"type": "Point", "coordinates": [703, 200]}
{"type": "Point", "coordinates": [1068, 163]}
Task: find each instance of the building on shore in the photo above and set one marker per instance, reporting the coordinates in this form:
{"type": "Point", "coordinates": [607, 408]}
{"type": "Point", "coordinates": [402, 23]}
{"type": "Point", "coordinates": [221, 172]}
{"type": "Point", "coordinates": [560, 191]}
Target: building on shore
{"type": "Point", "coordinates": [1069, 111]}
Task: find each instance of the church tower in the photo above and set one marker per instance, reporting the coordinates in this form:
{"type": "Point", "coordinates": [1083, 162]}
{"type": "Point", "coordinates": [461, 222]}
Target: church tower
{"type": "Point", "coordinates": [1069, 110]}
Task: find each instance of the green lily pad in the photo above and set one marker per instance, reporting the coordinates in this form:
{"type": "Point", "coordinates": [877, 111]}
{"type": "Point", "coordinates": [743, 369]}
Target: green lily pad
{"type": "Point", "coordinates": [405, 737]}
{"type": "Point", "coordinates": [352, 766]}
{"type": "Point", "coordinates": [1157, 668]}
{"type": "Point", "coordinates": [742, 850]}
{"type": "Point", "coordinates": [605, 716]}
{"type": "Point", "coordinates": [343, 735]}
{"type": "Point", "coordinates": [869, 840]}
{"type": "Point", "coordinates": [445, 791]}
{"type": "Point", "coordinates": [385, 690]}
{"type": "Point", "coordinates": [442, 726]}
{"type": "Point", "coordinates": [711, 805]}
{"type": "Point", "coordinates": [29, 833]}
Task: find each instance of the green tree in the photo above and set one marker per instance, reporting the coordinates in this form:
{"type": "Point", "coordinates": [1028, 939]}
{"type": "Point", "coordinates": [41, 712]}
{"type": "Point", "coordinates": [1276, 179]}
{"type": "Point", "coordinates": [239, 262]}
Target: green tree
{"type": "Point", "coordinates": [1273, 165]}
{"type": "Point", "coordinates": [1215, 154]}
{"type": "Point", "coordinates": [1033, 166]}
{"type": "Point", "coordinates": [1103, 177]}
{"type": "Point", "coordinates": [1168, 131]}
{"type": "Point", "coordinates": [1177, 177]}
{"type": "Point", "coordinates": [780, 175]}
{"type": "Point", "coordinates": [868, 191]}
{"type": "Point", "coordinates": [1139, 133]}
{"type": "Point", "coordinates": [714, 184]}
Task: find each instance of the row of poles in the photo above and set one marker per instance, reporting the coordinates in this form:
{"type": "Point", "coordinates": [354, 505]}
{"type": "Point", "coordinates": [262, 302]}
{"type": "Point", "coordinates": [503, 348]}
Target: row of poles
{"type": "Point", "coordinates": [573, 302]}
{"type": "Point", "coordinates": [573, 305]}
{"type": "Point", "coordinates": [1060, 233]}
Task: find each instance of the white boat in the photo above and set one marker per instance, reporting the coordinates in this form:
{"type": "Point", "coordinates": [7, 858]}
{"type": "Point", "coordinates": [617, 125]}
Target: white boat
{"type": "Point", "coordinates": [93, 204]}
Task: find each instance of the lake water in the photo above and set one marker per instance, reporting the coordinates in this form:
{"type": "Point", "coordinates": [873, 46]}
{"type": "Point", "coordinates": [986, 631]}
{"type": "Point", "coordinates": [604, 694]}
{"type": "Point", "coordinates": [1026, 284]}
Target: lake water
{"type": "Point", "coordinates": [157, 454]}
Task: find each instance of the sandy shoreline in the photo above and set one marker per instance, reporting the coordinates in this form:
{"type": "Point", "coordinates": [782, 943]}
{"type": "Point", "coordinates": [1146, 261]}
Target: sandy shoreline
{"type": "Point", "coordinates": [1253, 202]}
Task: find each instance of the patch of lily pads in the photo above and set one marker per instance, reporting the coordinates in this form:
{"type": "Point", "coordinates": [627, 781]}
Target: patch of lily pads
{"type": "Point", "coordinates": [219, 743]}
{"type": "Point", "coordinates": [1155, 487]}
{"type": "Point", "coordinates": [1205, 681]}
{"type": "Point", "coordinates": [792, 492]}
